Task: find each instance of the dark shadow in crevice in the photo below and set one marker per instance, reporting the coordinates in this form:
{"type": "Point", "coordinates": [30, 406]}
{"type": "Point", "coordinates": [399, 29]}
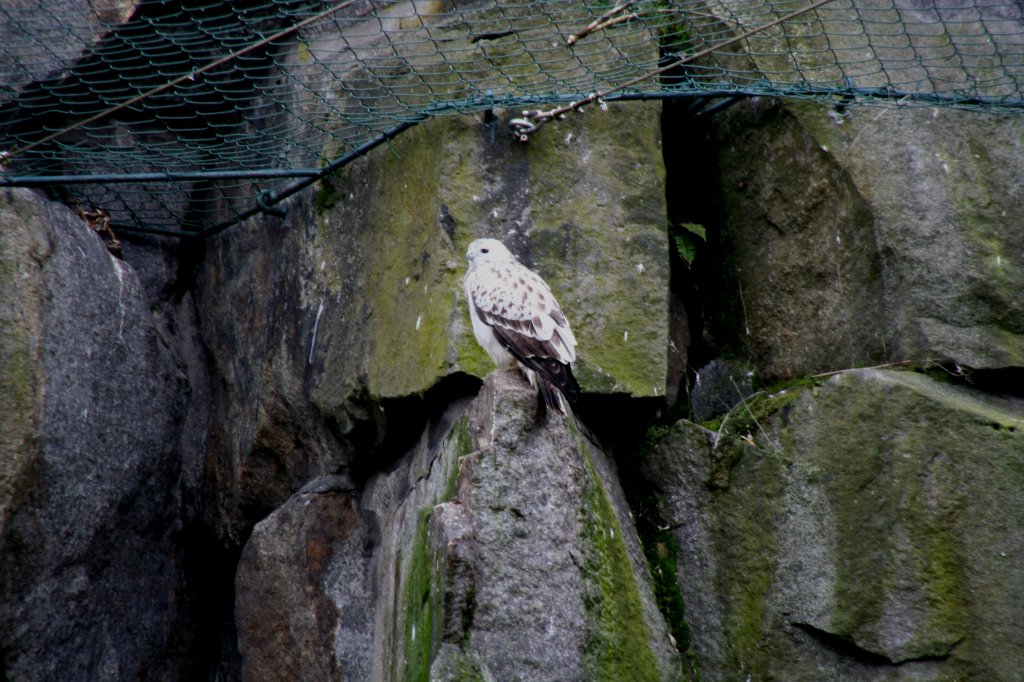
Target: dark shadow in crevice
{"type": "Point", "coordinates": [841, 645]}
{"type": "Point", "coordinates": [1004, 382]}
{"type": "Point", "coordinates": [402, 422]}
{"type": "Point", "coordinates": [617, 422]}
{"type": "Point", "coordinates": [211, 646]}
{"type": "Point", "coordinates": [849, 649]}
{"type": "Point", "coordinates": [691, 189]}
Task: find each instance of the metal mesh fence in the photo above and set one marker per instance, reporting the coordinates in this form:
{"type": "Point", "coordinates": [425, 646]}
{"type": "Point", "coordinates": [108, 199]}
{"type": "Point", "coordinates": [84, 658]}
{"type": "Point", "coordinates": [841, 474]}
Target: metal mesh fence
{"type": "Point", "coordinates": [186, 117]}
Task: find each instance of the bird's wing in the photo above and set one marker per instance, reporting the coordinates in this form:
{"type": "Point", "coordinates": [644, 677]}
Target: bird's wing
{"type": "Point", "coordinates": [518, 305]}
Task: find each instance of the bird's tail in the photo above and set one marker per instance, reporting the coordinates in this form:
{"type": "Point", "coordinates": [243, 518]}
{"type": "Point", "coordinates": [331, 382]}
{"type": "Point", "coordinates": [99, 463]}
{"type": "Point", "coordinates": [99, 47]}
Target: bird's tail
{"type": "Point", "coordinates": [554, 381]}
{"type": "Point", "coordinates": [551, 395]}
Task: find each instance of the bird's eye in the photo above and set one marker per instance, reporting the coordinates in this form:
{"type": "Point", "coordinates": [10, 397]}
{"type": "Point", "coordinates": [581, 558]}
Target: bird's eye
{"type": "Point", "coordinates": [485, 250]}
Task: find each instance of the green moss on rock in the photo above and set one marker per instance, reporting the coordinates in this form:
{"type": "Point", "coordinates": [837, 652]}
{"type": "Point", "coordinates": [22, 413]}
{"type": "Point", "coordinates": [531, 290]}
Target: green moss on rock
{"type": "Point", "coordinates": [394, 227]}
{"type": "Point", "coordinates": [911, 469]}
{"type": "Point", "coordinates": [396, 275]}
{"type": "Point", "coordinates": [424, 576]}
{"type": "Point", "coordinates": [597, 200]}
{"type": "Point", "coordinates": [459, 445]}
{"type": "Point", "coordinates": [747, 419]}
{"type": "Point", "coordinates": [422, 601]}
{"type": "Point", "coordinates": [884, 481]}
{"type": "Point", "coordinates": [22, 299]}
{"type": "Point", "coordinates": [745, 526]}
{"type": "Point", "coordinates": [458, 665]}
{"type": "Point", "coordinates": [470, 356]}
{"type": "Point", "coordinates": [618, 645]}
{"type": "Point", "coordinates": [410, 284]}
{"type": "Point", "coordinates": [658, 541]}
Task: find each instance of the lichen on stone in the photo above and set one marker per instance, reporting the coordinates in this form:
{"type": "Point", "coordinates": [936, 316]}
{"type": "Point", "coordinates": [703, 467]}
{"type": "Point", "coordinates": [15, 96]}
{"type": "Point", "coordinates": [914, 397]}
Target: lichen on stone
{"type": "Point", "coordinates": [423, 576]}
{"type": "Point", "coordinates": [618, 636]}
{"type": "Point", "coordinates": [422, 602]}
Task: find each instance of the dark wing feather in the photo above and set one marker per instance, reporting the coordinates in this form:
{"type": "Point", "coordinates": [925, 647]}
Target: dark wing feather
{"type": "Point", "coordinates": [536, 355]}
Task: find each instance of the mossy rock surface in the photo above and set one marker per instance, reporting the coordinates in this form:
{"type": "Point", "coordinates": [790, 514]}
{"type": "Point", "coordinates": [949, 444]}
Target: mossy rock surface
{"type": "Point", "coordinates": [579, 204]}
{"type": "Point", "coordinates": [866, 528]}
{"type": "Point", "coordinates": [21, 320]}
{"type": "Point", "coordinates": [537, 545]}
{"type": "Point", "coordinates": [875, 236]}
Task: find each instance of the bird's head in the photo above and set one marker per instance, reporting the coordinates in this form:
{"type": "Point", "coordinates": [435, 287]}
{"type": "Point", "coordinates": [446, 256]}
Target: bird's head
{"type": "Point", "coordinates": [488, 251]}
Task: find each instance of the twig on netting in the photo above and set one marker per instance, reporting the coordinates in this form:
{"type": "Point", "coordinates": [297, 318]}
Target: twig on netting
{"type": "Point", "coordinates": [531, 121]}
{"type": "Point", "coordinates": [604, 21]}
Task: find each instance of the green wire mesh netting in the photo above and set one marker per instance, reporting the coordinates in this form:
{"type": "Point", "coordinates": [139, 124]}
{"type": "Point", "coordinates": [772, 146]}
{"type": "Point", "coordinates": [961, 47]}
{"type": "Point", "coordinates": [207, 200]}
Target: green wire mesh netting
{"type": "Point", "coordinates": [186, 117]}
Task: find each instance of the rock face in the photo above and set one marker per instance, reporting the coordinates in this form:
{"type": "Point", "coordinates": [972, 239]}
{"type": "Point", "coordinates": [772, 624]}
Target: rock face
{"type": "Point", "coordinates": [852, 533]}
{"type": "Point", "coordinates": [304, 599]}
{"type": "Point", "coordinates": [325, 327]}
{"type": "Point", "coordinates": [91, 399]}
{"type": "Point", "coordinates": [944, 204]}
{"type": "Point", "coordinates": [878, 235]}
{"type": "Point", "coordinates": [866, 530]}
{"type": "Point", "coordinates": [225, 377]}
{"type": "Point", "coordinates": [504, 551]}
{"type": "Point", "coordinates": [280, 454]}
{"type": "Point", "coordinates": [52, 48]}
{"type": "Point", "coordinates": [580, 205]}
{"type": "Point", "coordinates": [257, 318]}
{"type": "Point", "coordinates": [539, 552]}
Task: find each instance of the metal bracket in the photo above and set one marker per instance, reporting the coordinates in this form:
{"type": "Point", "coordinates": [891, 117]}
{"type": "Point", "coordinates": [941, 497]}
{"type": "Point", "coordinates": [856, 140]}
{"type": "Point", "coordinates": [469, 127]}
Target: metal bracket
{"type": "Point", "coordinates": [264, 199]}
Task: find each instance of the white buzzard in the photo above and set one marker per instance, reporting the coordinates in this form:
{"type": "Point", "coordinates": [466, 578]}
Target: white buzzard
{"type": "Point", "coordinates": [517, 321]}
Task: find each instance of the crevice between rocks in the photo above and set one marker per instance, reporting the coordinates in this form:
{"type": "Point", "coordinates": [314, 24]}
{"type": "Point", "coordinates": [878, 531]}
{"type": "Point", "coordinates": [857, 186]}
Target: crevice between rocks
{"type": "Point", "coordinates": [849, 649]}
{"type": "Point", "coordinates": [404, 419]}
{"type": "Point", "coordinates": [1004, 381]}
{"type": "Point", "coordinates": [624, 427]}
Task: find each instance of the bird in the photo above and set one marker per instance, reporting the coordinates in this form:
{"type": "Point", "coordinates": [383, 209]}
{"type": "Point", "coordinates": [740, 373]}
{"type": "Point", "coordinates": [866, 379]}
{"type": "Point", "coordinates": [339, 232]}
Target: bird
{"type": "Point", "coordinates": [517, 321]}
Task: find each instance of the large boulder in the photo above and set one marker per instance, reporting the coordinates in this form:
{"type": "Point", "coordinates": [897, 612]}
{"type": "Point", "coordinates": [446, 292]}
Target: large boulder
{"type": "Point", "coordinates": [91, 408]}
{"type": "Point", "coordinates": [323, 327]}
{"type": "Point", "coordinates": [320, 583]}
{"type": "Point", "coordinates": [499, 546]}
{"type": "Point", "coordinates": [538, 554]}
{"type": "Point", "coordinates": [858, 238]}
{"type": "Point", "coordinates": [946, 201]}
{"type": "Point", "coordinates": [257, 315]}
{"type": "Point", "coordinates": [867, 529]}
{"type": "Point", "coordinates": [304, 593]}
{"type": "Point", "coordinates": [582, 203]}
